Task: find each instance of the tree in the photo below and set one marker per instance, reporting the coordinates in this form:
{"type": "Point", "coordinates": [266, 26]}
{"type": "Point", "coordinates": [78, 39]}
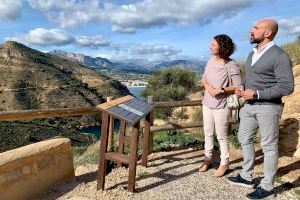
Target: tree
{"type": "Point", "coordinates": [172, 84]}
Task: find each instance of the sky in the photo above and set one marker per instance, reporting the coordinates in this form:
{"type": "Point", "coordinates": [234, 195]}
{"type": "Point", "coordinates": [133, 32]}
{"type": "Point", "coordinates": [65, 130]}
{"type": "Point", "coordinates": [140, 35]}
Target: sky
{"type": "Point", "coordinates": [150, 30]}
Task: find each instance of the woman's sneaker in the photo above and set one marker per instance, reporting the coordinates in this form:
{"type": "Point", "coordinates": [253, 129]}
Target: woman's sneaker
{"type": "Point", "coordinates": [238, 180]}
{"type": "Point", "coordinates": [261, 193]}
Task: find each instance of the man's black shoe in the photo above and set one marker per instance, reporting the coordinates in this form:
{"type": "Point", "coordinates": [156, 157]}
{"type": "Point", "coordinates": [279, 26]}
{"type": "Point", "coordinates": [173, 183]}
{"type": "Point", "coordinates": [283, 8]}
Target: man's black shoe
{"type": "Point", "coordinates": [261, 193]}
{"type": "Point", "coordinates": [238, 180]}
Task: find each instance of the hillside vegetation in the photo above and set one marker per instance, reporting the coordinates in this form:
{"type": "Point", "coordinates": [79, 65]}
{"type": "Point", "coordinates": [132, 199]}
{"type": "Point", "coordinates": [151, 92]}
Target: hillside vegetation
{"type": "Point", "coordinates": [293, 49]}
{"type": "Point", "coordinates": [34, 80]}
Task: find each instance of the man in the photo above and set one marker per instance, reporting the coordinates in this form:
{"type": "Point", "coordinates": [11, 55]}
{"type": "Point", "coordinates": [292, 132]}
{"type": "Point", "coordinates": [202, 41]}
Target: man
{"type": "Point", "coordinates": [268, 77]}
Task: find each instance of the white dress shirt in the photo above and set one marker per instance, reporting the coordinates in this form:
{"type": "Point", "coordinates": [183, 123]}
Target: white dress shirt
{"type": "Point", "coordinates": [258, 53]}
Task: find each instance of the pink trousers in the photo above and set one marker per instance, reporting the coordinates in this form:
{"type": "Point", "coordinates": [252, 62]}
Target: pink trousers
{"type": "Point", "coordinates": [216, 120]}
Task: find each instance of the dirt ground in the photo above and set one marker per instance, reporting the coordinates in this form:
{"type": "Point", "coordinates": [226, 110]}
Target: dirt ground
{"type": "Point", "coordinates": [174, 175]}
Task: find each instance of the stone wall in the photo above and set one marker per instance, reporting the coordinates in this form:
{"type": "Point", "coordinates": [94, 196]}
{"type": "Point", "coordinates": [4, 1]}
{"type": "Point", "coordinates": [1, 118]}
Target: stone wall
{"type": "Point", "coordinates": [34, 169]}
{"type": "Point", "coordinates": [289, 138]}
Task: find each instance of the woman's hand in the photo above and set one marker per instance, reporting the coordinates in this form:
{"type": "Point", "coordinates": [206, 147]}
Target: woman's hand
{"type": "Point", "coordinates": [214, 91]}
{"type": "Point", "coordinates": [211, 90]}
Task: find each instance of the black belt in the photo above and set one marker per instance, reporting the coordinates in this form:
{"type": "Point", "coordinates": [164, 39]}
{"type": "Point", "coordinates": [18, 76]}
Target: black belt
{"type": "Point", "coordinates": [264, 102]}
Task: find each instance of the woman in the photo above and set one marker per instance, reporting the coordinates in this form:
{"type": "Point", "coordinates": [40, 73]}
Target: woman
{"type": "Point", "coordinates": [215, 112]}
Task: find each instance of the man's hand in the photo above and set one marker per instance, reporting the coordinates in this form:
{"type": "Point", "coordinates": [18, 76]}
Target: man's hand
{"type": "Point", "coordinates": [247, 94]}
{"type": "Point", "coordinates": [239, 91]}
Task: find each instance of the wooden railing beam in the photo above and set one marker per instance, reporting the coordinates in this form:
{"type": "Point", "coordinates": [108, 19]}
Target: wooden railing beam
{"type": "Point", "coordinates": [46, 113]}
{"type": "Point", "coordinates": [177, 104]}
{"type": "Point", "coordinates": [173, 126]}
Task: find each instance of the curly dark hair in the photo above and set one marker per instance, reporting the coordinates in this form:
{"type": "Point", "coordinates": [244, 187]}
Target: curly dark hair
{"type": "Point", "coordinates": [226, 45]}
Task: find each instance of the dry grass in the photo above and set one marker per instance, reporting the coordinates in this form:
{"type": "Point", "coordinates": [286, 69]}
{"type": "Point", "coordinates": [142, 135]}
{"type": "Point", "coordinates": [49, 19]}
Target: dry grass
{"type": "Point", "coordinates": [293, 49]}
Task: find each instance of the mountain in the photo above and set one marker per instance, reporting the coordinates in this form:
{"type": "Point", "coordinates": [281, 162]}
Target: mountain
{"type": "Point", "coordinates": [102, 63]}
{"type": "Point", "coordinates": [197, 67]}
{"type": "Point", "coordinates": [98, 62]}
{"type": "Point", "coordinates": [131, 67]}
{"type": "Point", "coordinates": [34, 80]}
{"type": "Point", "coordinates": [137, 66]}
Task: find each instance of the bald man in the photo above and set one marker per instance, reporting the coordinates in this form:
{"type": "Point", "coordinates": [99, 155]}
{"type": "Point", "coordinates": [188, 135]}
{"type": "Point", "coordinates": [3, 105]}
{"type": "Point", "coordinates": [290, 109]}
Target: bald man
{"type": "Point", "coordinates": [269, 77]}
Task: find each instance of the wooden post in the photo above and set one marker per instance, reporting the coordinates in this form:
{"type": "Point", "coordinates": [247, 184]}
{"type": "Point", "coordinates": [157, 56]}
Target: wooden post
{"type": "Point", "coordinates": [133, 156]}
{"type": "Point", "coordinates": [150, 139]}
{"type": "Point", "coordinates": [103, 145]}
{"type": "Point", "coordinates": [121, 140]}
{"type": "Point", "coordinates": [146, 140]}
{"type": "Point", "coordinates": [111, 130]}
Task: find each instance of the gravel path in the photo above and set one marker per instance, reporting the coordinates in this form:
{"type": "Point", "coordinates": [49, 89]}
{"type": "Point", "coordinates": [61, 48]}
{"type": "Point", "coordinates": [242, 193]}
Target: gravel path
{"type": "Point", "coordinates": [170, 175]}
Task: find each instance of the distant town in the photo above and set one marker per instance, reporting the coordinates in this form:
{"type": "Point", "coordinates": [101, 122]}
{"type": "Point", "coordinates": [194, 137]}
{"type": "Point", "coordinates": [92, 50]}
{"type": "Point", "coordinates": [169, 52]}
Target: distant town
{"type": "Point", "coordinates": [128, 79]}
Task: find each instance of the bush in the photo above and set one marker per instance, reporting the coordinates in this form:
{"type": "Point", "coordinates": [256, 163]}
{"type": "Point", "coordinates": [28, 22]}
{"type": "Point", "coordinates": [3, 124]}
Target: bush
{"type": "Point", "coordinates": [172, 84]}
{"type": "Point", "coordinates": [233, 136]}
{"type": "Point", "coordinates": [197, 114]}
{"type": "Point", "coordinates": [169, 139]}
{"type": "Point", "coordinates": [90, 156]}
{"type": "Point", "coordinates": [293, 49]}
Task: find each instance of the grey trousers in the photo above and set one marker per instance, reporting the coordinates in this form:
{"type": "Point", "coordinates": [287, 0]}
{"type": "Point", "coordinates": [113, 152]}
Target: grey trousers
{"type": "Point", "coordinates": [266, 117]}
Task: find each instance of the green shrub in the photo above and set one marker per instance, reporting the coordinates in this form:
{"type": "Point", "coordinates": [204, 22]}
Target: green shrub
{"type": "Point", "coordinates": [233, 136]}
{"type": "Point", "coordinates": [172, 84]}
{"type": "Point", "coordinates": [168, 139]}
{"type": "Point", "coordinates": [242, 67]}
{"type": "Point", "coordinates": [90, 156]}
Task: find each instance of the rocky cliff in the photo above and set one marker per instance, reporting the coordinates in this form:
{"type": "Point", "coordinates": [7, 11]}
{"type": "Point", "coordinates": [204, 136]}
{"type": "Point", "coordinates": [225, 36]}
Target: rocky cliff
{"type": "Point", "coordinates": [289, 141]}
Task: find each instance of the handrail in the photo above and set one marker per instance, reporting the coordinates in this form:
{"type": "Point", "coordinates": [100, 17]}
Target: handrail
{"type": "Point", "coordinates": [78, 111]}
{"type": "Point", "coordinates": [46, 113]}
{"type": "Point", "coordinates": [169, 104]}
{"type": "Point", "coordinates": [172, 126]}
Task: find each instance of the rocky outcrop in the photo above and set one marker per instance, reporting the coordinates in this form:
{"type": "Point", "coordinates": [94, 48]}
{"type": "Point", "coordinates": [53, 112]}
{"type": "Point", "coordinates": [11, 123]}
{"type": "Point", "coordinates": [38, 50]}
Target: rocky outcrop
{"type": "Point", "coordinates": [98, 62]}
{"type": "Point", "coordinates": [289, 141]}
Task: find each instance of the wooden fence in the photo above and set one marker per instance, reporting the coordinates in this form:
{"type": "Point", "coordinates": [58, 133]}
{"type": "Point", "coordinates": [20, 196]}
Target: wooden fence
{"type": "Point", "coordinates": [172, 104]}
{"type": "Point", "coordinates": [68, 112]}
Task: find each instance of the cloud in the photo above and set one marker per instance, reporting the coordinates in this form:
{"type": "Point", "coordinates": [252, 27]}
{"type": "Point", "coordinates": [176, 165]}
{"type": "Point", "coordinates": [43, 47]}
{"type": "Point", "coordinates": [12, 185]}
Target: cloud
{"type": "Point", "coordinates": [155, 13]}
{"type": "Point", "coordinates": [10, 10]}
{"type": "Point", "coordinates": [58, 37]}
{"type": "Point", "coordinates": [95, 42]}
{"type": "Point", "coordinates": [155, 52]}
{"type": "Point", "coordinates": [51, 4]}
{"type": "Point", "coordinates": [127, 18]}
{"type": "Point", "coordinates": [166, 50]}
{"type": "Point", "coordinates": [68, 13]}
{"type": "Point", "coordinates": [290, 26]}
{"type": "Point", "coordinates": [45, 37]}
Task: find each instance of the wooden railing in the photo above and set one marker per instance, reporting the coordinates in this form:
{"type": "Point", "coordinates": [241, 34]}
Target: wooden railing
{"type": "Point", "coordinates": [172, 104]}
{"type": "Point", "coordinates": [46, 113]}
{"type": "Point", "coordinates": [66, 112]}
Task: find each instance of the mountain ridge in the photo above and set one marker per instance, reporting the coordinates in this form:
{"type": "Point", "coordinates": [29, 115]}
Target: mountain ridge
{"type": "Point", "coordinates": [50, 81]}
{"type": "Point", "coordinates": [31, 79]}
{"type": "Point", "coordinates": [135, 66]}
